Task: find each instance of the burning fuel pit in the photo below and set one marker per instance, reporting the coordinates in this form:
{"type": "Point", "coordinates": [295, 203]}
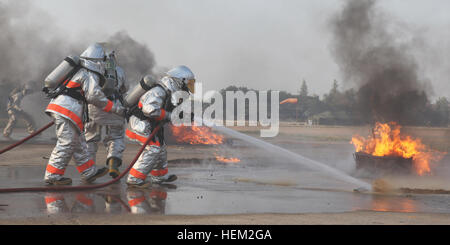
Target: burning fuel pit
{"type": "Point", "coordinates": [390, 151]}
{"type": "Point", "coordinates": [383, 165]}
{"type": "Point", "coordinates": [197, 136]}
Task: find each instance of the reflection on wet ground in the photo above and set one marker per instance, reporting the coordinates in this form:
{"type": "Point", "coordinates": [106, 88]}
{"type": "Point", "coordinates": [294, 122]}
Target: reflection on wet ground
{"type": "Point", "coordinates": [206, 189]}
{"type": "Point", "coordinates": [402, 205]}
{"type": "Point", "coordinates": [151, 201]}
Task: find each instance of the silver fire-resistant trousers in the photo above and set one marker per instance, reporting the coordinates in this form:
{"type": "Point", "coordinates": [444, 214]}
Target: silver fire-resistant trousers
{"type": "Point", "coordinates": [153, 160]}
{"type": "Point", "coordinates": [113, 141]}
{"type": "Point", "coordinates": [70, 143]}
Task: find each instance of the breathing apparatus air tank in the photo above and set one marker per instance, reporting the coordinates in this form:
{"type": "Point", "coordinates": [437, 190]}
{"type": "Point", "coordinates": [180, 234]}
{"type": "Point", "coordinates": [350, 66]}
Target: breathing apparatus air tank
{"type": "Point", "coordinates": [66, 68]}
{"type": "Point", "coordinates": [140, 89]}
{"type": "Point", "coordinates": [110, 82]}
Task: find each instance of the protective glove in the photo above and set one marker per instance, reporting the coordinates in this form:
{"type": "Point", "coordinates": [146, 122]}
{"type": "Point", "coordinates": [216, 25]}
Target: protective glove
{"type": "Point", "coordinates": [128, 113]}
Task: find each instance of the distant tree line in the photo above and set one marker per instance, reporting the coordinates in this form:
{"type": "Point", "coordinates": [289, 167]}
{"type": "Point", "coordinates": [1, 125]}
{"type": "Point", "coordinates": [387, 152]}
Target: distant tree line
{"type": "Point", "coordinates": [334, 108]}
{"type": "Point", "coordinates": [343, 108]}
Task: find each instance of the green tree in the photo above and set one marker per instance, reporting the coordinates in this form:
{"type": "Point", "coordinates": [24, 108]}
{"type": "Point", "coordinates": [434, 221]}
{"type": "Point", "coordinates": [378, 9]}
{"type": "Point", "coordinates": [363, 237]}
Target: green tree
{"type": "Point", "coordinates": [334, 90]}
{"type": "Point", "coordinates": [304, 90]}
{"type": "Point", "coordinates": [442, 108]}
{"type": "Point", "coordinates": [332, 98]}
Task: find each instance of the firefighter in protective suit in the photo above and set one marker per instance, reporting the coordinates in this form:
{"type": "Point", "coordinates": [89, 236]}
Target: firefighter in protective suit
{"type": "Point", "coordinates": [114, 125]}
{"type": "Point", "coordinates": [68, 110]}
{"type": "Point", "coordinates": [14, 111]}
{"type": "Point", "coordinates": [155, 107]}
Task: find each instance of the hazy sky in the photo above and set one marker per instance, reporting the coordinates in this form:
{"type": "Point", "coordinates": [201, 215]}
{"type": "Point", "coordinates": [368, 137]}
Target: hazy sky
{"type": "Point", "coordinates": [259, 44]}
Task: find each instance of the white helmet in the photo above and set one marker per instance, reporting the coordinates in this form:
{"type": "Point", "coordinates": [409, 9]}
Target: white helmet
{"type": "Point", "coordinates": [95, 52]}
{"type": "Point", "coordinates": [185, 76]}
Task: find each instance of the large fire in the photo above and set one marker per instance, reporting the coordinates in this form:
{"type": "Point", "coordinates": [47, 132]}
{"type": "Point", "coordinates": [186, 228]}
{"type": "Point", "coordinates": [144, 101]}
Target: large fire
{"type": "Point", "coordinates": [387, 140]}
{"type": "Point", "coordinates": [195, 135]}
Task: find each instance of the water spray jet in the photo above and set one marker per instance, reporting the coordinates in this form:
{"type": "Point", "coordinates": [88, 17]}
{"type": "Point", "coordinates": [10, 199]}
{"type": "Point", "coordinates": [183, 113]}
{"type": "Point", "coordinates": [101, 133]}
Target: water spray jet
{"type": "Point", "coordinates": [312, 164]}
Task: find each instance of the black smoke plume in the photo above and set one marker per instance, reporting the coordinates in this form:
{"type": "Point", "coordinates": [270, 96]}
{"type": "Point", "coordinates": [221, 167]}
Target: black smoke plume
{"type": "Point", "coordinates": [373, 57]}
{"type": "Point", "coordinates": [134, 57]}
{"type": "Point", "coordinates": [31, 47]}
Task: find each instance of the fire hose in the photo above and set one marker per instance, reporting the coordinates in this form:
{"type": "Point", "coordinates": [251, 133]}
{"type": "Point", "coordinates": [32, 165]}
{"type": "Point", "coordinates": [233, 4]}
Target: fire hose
{"type": "Point", "coordinates": [86, 187]}
{"type": "Point", "coordinates": [27, 138]}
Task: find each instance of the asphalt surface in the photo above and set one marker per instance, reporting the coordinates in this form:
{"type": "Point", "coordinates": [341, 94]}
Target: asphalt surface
{"type": "Point", "coordinates": [262, 182]}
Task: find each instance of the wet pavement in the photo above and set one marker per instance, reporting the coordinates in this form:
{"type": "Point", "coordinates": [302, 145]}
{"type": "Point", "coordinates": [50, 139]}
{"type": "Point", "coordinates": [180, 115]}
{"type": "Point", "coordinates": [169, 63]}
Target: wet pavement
{"type": "Point", "coordinates": [202, 190]}
{"type": "Point", "coordinates": [261, 182]}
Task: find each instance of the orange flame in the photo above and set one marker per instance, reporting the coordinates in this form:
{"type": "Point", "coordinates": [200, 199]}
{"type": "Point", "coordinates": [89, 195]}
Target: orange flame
{"type": "Point", "coordinates": [387, 141]}
{"type": "Point", "coordinates": [227, 160]}
{"type": "Point", "coordinates": [196, 135]}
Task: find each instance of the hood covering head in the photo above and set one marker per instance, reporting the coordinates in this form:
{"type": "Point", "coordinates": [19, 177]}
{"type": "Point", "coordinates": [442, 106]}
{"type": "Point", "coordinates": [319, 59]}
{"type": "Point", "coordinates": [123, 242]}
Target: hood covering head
{"type": "Point", "coordinates": [175, 88]}
{"type": "Point", "coordinates": [95, 52]}
{"type": "Point", "coordinates": [184, 76]}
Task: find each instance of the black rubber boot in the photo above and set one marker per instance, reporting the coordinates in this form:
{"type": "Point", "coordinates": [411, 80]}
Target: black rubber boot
{"type": "Point", "coordinates": [62, 181]}
{"type": "Point", "coordinates": [113, 164]}
{"type": "Point", "coordinates": [163, 179]}
{"type": "Point", "coordinates": [100, 172]}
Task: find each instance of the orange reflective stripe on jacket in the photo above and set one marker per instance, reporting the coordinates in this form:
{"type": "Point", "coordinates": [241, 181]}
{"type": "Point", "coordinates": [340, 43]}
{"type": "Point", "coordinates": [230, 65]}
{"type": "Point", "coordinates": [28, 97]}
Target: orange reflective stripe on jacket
{"type": "Point", "coordinates": [68, 113]}
{"type": "Point", "coordinates": [109, 106]}
{"type": "Point", "coordinates": [163, 114]}
{"type": "Point", "coordinates": [73, 84]}
{"type": "Point", "coordinates": [85, 166]}
{"type": "Point", "coordinates": [130, 134]}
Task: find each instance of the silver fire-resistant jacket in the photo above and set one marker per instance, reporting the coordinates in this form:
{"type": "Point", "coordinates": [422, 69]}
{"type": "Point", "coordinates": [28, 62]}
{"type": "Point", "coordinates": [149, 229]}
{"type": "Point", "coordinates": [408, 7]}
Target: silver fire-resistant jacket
{"type": "Point", "coordinates": [71, 108]}
{"type": "Point", "coordinates": [153, 105]}
{"type": "Point", "coordinates": [99, 116]}
{"type": "Point", "coordinates": [114, 124]}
